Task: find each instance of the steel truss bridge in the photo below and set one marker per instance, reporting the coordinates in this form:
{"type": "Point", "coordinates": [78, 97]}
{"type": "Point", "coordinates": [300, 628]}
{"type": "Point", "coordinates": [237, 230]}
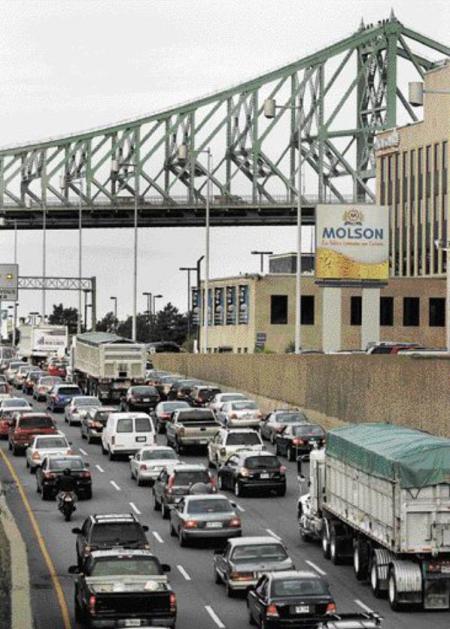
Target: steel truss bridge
{"type": "Point", "coordinates": [347, 92]}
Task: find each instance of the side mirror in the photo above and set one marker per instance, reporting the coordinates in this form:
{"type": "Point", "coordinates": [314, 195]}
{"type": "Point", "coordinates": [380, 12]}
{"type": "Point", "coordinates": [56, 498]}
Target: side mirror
{"type": "Point", "coordinates": [165, 567]}
{"type": "Point", "coordinates": [74, 570]}
{"type": "Point", "coordinates": [70, 443]}
{"type": "Point", "coordinates": [131, 457]}
{"type": "Point", "coordinates": [145, 528]}
{"type": "Point", "coordinates": [87, 464]}
{"type": "Point", "coordinates": [234, 505]}
{"type": "Point", "coordinates": [77, 531]}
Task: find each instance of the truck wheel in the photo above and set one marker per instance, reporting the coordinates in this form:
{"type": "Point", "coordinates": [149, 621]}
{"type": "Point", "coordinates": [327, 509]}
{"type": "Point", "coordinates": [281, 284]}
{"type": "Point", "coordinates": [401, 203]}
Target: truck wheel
{"type": "Point", "coordinates": [361, 559]}
{"type": "Point", "coordinates": [335, 548]}
{"type": "Point", "coordinates": [325, 543]}
{"type": "Point", "coordinates": [392, 592]}
{"type": "Point", "coordinates": [374, 581]}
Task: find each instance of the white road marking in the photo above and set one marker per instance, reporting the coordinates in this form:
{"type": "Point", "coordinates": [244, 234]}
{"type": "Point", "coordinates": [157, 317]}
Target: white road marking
{"type": "Point", "coordinates": [83, 451]}
{"type": "Point", "coordinates": [183, 572]}
{"type": "Point", "coordinates": [158, 537]}
{"type": "Point", "coordinates": [315, 567]}
{"type": "Point", "coordinates": [214, 616]}
{"type": "Point", "coordinates": [240, 508]}
{"type": "Point", "coordinates": [100, 469]}
{"type": "Point", "coordinates": [363, 606]}
{"type": "Point", "coordinates": [115, 485]}
{"type": "Point", "coordinates": [273, 534]}
{"type": "Point", "coordinates": [135, 509]}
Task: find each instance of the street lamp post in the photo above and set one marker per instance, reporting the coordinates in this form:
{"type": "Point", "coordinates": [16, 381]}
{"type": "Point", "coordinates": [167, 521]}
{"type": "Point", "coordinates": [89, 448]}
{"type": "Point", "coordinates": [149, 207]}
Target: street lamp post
{"type": "Point", "coordinates": [149, 304]}
{"type": "Point", "coordinates": [188, 269]}
{"type": "Point", "coordinates": [261, 254]}
{"type": "Point", "coordinates": [155, 297]}
{"type": "Point", "coordinates": [416, 90]}
{"type": "Point", "coordinates": [114, 299]}
{"type": "Point", "coordinates": [15, 302]}
{"type": "Point", "coordinates": [269, 111]}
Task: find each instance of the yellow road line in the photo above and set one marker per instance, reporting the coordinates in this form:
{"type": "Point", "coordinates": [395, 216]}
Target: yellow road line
{"type": "Point", "coordinates": [48, 560]}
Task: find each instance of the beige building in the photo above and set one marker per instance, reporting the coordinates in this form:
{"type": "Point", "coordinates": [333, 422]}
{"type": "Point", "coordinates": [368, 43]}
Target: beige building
{"type": "Point", "coordinates": [253, 311]}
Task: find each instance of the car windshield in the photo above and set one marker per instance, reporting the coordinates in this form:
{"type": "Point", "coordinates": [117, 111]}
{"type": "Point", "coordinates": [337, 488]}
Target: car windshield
{"type": "Point", "coordinates": [102, 416]}
{"type": "Point", "coordinates": [195, 416]}
{"type": "Point", "coordinates": [54, 442]}
{"type": "Point", "coordinates": [255, 462]}
{"type": "Point", "coordinates": [313, 431]}
{"type": "Point", "coordinates": [88, 401]}
{"type": "Point", "coordinates": [172, 406]}
{"type": "Point", "coordinates": [298, 587]}
{"type": "Point", "coordinates": [241, 406]}
{"type": "Point", "coordinates": [136, 566]}
{"type": "Point", "coordinates": [143, 391]}
{"type": "Point", "coordinates": [230, 397]}
{"type": "Point", "coordinates": [290, 418]}
{"type": "Point", "coordinates": [16, 365]}
{"type": "Point", "coordinates": [41, 421]}
{"type": "Point", "coordinates": [154, 455]}
{"type": "Point", "coordinates": [17, 402]}
{"type": "Point", "coordinates": [193, 476]}
{"type": "Point", "coordinates": [260, 552]}
{"type": "Point", "coordinates": [216, 505]}
{"type": "Point", "coordinates": [120, 532]}
{"type": "Point", "coordinates": [50, 380]}
{"type": "Point", "coordinates": [62, 464]}
{"type": "Point", "coordinates": [68, 391]}
{"type": "Point", "coordinates": [245, 438]}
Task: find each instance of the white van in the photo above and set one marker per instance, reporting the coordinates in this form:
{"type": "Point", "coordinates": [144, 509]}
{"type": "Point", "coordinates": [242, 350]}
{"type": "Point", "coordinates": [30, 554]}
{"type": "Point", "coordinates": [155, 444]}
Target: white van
{"type": "Point", "coordinates": [127, 433]}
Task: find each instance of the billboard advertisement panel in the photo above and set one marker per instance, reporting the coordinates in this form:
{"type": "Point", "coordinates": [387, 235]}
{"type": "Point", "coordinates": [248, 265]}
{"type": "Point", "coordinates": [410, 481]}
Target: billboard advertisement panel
{"type": "Point", "coordinates": [231, 305]}
{"type": "Point", "coordinates": [50, 339]}
{"type": "Point", "coordinates": [352, 242]}
{"type": "Point", "coordinates": [243, 304]}
{"type": "Point", "coordinates": [218, 306]}
{"type": "Point", "coordinates": [210, 306]}
{"type": "Point", "coordinates": [195, 306]}
{"type": "Point", "coordinates": [9, 278]}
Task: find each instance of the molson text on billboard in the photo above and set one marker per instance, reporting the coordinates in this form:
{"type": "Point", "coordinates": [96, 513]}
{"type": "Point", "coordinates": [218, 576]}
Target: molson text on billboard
{"type": "Point", "coordinates": [352, 242]}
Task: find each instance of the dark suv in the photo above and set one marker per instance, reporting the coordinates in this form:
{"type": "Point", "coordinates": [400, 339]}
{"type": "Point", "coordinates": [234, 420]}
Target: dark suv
{"type": "Point", "coordinates": [169, 488]}
{"type": "Point", "coordinates": [246, 470]}
{"type": "Point", "coordinates": [117, 530]}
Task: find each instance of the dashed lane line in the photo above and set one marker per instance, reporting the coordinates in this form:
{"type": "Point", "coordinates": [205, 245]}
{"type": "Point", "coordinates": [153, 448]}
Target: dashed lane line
{"type": "Point", "coordinates": [241, 509]}
{"type": "Point", "coordinates": [273, 534]}
{"type": "Point", "coordinates": [214, 617]}
{"type": "Point", "coordinates": [315, 567]}
{"type": "Point", "coordinates": [135, 509]}
{"type": "Point", "coordinates": [83, 451]}
{"type": "Point", "coordinates": [183, 572]}
{"type": "Point", "coordinates": [99, 467]}
{"type": "Point", "coordinates": [158, 537]}
{"type": "Point", "coordinates": [115, 485]}
{"type": "Point", "coordinates": [363, 606]}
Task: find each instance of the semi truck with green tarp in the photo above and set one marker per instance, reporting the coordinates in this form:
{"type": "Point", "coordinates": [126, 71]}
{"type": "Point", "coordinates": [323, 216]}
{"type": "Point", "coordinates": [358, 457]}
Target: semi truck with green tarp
{"type": "Point", "coordinates": [379, 495]}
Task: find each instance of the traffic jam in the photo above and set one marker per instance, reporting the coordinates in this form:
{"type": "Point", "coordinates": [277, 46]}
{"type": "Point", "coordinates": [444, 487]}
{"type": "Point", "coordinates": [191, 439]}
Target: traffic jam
{"type": "Point", "coordinates": [169, 497]}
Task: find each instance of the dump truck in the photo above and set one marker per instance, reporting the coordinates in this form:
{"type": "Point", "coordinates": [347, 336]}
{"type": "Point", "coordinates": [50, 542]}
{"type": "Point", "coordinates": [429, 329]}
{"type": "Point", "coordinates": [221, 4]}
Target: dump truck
{"type": "Point", "coordinates": [379, 496]}
{"type": "Point", "coordinates": [105, 364]}
{"type": "Point", "coordinates": [39, 342]}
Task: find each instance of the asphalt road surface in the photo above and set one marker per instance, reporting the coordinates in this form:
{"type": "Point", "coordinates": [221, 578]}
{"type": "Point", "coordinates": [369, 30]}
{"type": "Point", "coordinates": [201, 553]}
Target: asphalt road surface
{"type": "Point", "coordinates": [201, 603]}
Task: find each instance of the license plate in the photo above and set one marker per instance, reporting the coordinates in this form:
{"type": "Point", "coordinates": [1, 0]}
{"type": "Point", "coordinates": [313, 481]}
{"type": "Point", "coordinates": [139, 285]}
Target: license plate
{"type": "Point", "coordinates": [141, 439]}
{"type": "Point", "coordinates": [132, 623]}
{"type": "Point", "coordinates": [445, 569]}
{"type": "Point", "coordinates": [302, 609]}
{"type": "Point", "coordinates": [263, 476]}
{"type": "Point", "coordinates": [214, 525]}
{"type": "Point", "coordinates": [146, 399]}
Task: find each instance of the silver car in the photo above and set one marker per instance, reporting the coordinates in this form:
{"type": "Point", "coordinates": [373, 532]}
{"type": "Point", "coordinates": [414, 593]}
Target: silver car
{"type": "Point", "coordinates": [44, 385]}
{"type": "Point", "coordinates": [275, 422]}
{"type": "Point", "coordinates": [147, 464]}
{"type": "Point", "coordinates": [240, 414]}
{"type": "Point", "coordinates": [220, 398]}
{"type": "Point", "coordinates": [204, 516]}
{"type": "Point", "coordinates": [78, 408]}
{"type": "Point", "coordinates": [240, 564]}
{"type": "Point", "coordinates": [43, 445]}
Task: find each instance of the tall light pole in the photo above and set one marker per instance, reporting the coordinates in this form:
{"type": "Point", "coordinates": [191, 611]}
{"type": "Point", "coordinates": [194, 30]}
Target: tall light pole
{"type": "Point", "coordinates": [44, 257]}
{"type": "Point", "coordinates": [415, 93]}
{"type": "Point", "coordinates": [269, 111]}
{"type": "Point", "coordinates": [155, 297]}
{"type": "Point", "coordinates": [15, 302]}
{"type": "Point", "coordinates": [149, 304]}
{"type": "Point", "coordinates": [188, 269]}
{"type": "Point", "coordinates": [183, 154]}
{"type": "Point", "coordinates": [261, 254]}
{"type": "Point", "coordinates": [114, 299]}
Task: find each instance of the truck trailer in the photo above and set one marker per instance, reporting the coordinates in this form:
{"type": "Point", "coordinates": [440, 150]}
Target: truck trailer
{"type": "Point", "coordinates": [379, 497]}
{"type": "Point", "coordinates": [105, 364]}
{"type": "Point", "coordinates": [39, 342]}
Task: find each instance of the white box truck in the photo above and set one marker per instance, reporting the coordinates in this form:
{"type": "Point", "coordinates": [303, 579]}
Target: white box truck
{"type": "Point", "coordinates": [379, 496]}
{"type": "Point", "coordinates": [105, 364]}
{"type": "Point", "coordinates": [39, 342]}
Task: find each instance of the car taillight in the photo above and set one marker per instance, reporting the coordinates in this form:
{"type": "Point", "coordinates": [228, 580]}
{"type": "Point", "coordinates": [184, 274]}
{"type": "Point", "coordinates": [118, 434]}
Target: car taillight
{"type": "Point", "coordinates": [297, 442]}
{"type": "Point", "coordinates": [49, 475]}
{"type": "Point", "coordinates": [241, 576]}
{"type": "Point", "coordinates": [92, 601]}
{"type": "Point", "coordinates": [85, 474]}
{"type": "Point", "coordinates": [172, 602]}
{"type": "Point", "coordinates": [282, 469]}
{"type": "Point", "coordinates": [190, 524]}
{"type": "Point", "coordinates": [259, 414]}
{"type": "Point", "coordinates": [213, 481]}
{"type": "Point", "coordinates": [331, 608]}
{"type": "Point", "coordinates": [143, 467]}
{"type": "Point", "coordinates": [233, 416]}
{"type": "Point", "coordinates": [181, 430]}
{"type": "Point", "coordinates": [244, 471]}
{"type": "Point", "coordinates": [235, 522]}
{"type": "Point", "coordinates": [35, 456]}
{"type": "Point", "coordinates": [170, 483]}
{"type": "Point", "coordinates": [272, 611]}
{"type": "Point", "coordinates": [164, 415]}
{"type": "Point", "coordinates": [87, 550]}
{"type": "Point", "coordinates": [70, 451]}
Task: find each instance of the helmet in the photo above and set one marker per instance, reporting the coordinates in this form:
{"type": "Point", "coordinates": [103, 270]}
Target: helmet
{"type": "Point", "coordinates": [67, 471]}
{"type": "Point", "coordinates": [200, 488]}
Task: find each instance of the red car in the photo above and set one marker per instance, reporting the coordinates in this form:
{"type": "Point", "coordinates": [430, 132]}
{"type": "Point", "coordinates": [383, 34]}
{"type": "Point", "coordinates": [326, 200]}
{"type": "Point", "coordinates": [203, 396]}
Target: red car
{"type": "Point", "coordinates": [6, 419]}
{"type": "Point", "coordinates": [25, 426]}
{"type": "Point", "coordinates": [57, 368]}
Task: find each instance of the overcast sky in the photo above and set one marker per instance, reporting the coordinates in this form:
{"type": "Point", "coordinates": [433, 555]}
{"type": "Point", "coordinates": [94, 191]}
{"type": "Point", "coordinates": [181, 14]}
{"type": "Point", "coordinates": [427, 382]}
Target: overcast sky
{"type": "Point", "coordinates": [68, 66]}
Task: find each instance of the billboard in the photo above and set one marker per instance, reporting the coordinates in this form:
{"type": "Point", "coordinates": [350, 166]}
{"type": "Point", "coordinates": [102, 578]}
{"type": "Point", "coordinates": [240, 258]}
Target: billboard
{"type": "Point", "coordinates": [243, 304]}
{"type": "Point", "coordinates": [195, 306]}
{"type": "Point", "coordinates": [352, 242]}
{"type": "Point", "coordinates": [231, 305]}
{"type": "Point", "coordinates": [9, 278]}
{"type": "Point", "coordinates": [210, 306]}
{"type": "Point", "coordinates": [49, 339]}
{"type": "Point", "coordinates": [218, 306]}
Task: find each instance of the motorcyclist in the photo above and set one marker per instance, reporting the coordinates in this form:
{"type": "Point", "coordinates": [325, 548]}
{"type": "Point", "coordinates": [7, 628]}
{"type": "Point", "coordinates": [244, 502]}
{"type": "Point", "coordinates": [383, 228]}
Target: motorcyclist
{"type": "Point", "coordinates": [65, 484]}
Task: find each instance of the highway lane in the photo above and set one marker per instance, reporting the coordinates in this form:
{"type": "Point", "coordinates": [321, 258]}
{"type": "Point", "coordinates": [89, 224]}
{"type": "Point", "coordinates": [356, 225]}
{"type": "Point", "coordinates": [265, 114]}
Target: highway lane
{"type": "Point", "coordinates": [200, 600]}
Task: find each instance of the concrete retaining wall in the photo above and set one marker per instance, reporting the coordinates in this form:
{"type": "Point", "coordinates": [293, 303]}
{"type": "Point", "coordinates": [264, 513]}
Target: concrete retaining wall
{"type": "Point", "coordinates": [397, 389]}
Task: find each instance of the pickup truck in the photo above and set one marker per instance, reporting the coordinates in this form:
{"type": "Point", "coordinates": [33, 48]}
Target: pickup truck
{"type": "Point", "coordinates": [123, 588]}
{"type": "Point", "coordinates": [25, 426]}
{"type": "Point", "coordinates": [191, 427]}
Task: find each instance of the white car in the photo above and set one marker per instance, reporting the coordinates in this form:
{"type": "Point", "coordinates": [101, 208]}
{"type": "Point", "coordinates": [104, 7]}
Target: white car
{"type": "Point", "coordinates": [78, 408]}
{"type": "Point", "coordinates": [43, 445]}
{"type": "Point", "coordinates": [240, 414]}
{"type": "Point", "coordinates": [226, 442]}
{"type": "Point", "coordinates": [146, 465]}
{"type": "Point", "coordinates": [220, 398]}
{"type": "Point", "coordinates": [14, 402]}
{"type": "Point", "coordinates": [127, 433]}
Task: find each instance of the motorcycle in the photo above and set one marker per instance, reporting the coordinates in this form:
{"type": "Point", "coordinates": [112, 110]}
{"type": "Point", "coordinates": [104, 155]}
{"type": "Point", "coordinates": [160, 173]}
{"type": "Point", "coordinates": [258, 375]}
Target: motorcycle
{"type": "Point", "coordinates": [66, 505]}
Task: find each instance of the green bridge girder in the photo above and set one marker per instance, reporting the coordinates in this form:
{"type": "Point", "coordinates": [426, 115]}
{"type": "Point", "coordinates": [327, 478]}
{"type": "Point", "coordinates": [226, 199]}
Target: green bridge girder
{"type": "Point", "coordinates": [347, 92]}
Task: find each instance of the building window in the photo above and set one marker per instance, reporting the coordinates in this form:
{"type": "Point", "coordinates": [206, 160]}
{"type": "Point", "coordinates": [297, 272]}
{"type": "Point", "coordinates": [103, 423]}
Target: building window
{"type": "Point", "coordinates": [355, 310]}
{"type": "Point", "coordinates": [437, 312]}
{"type": "Point", "coordinates": [405, 180]}
{"type": "Point", "coordinates": [386, 311]}
{"type": "Point", "coordinates": [389, 181]}
{"type": "Point", "coordinates": [307, 309]}
{"type": "Point", "coordinates": [428, 174]}
{"type": "Point", "coordinates": [412, 179]}
{"type": "Point", "coordinates": [383, 180]}
{"type": "Point", "coordinates": [411, 311]}
{"type": "Point", "coordinates": [278, 309]}
{"type": "Point", "coordinates": [420, 173]}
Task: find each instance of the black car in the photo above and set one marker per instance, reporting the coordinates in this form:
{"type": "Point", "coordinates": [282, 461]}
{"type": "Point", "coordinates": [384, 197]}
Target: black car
{"type": "Point", "coordinates": [202, 394]}
{"type": "Point", "coordinates": [53, 466]}
{"type": "Point", "coordinates": [140, 398]}
{"type": "Point", "coordinates": [181, 389]}
{"type": "Point", "coordinates": [92, 424]}
{"type": "Point", "coordinates": [292, 598]}
{"type": "Point", "coordinates": [246, 470]}
{"type": "Point", "coordinates": [163, 413]}
{"type": "Point", "coordinates": [102, 532]}
{"type": "Point", "coordinates": [298, 439]}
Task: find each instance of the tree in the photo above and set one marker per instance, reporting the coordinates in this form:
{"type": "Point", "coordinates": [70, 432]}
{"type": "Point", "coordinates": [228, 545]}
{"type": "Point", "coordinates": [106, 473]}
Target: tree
{"type": "Point", "coordinates": [143, 328]}
{"type": "Point", "coordinates": [108, 324]}
{"type": "Point", "coordinates": [64, 316]}
{"type": "Point", "coordinates": [170, 325]}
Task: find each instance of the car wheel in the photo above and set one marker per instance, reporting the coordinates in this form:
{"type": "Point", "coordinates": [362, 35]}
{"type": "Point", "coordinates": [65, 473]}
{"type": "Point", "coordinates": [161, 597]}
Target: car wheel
{"type": "Point", "coordinates": [156, 504]}
{"type": "Point", "coordinates": [229, 590]}
{"type": "Point", "coordinates": [111, 455]}
{"type": "Point", "coordinates": [217, 577]}
{"type": "Point", "coordinates": [38, 489]}
{"type": "Point", "coordinates": [83, 436]}
{"type": "Point", "coordinates": [172, 530]}
{"type": "Point", "coordinates": [88, 494]}
{"type": "Point", "coordinates": [104, 450]}
{"type": "Point", "coordinates": [32, 469]}
{"type": "Point", "coordinates": [251, 620]}
{"type": "Point", "coordinates": [281, 491]}
{"type": "Point", "coordinates": [220, 482]}
{"type": "Point", "coordinates": [15, 451]}
{"type": "Point", "coordinates": [165, 511]}
{"type": "Point", "coordinates": [290, 453]}
{"type": "Point", "coordinates": [181, 537]}
{"type": "Point", "coordinates": [88, 438]}
{"type": "Point", "coordinates": [139, 481]}
{"type": "Point", "coordinates": [45, 494]}
{"type": "Point", "coordinates": [237, 489]}
{"type": "Point", "coordinates": [374, 580]}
